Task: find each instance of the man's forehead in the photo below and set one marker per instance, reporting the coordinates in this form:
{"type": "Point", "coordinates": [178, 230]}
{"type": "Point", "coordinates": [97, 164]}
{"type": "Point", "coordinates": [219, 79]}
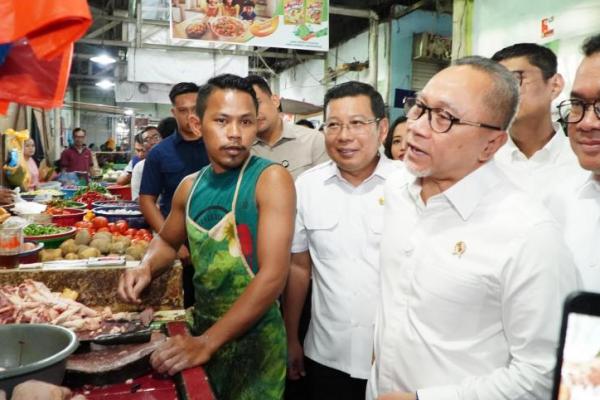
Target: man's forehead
{"type": "Point", "coordinates": [587, 79]}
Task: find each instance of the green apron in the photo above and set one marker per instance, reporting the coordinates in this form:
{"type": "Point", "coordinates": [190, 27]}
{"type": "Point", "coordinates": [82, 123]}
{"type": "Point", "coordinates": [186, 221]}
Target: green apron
{"type": "Point", "coordinates": [253, 366]}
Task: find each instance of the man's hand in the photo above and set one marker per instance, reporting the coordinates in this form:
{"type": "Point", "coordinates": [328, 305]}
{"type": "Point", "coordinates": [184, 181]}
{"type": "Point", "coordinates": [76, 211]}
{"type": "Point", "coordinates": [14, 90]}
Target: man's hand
{"type": "Point", "coordinates": [295, 368]}
{"type": "Point", "coordinates": [184, 255]}
{"type": "Point", "coordinates": [36, 390]}
{"type": "Point", "coordinates": [181, 352]}
{"type": "Point", "coordinates": [398, 396]}
{"type": "Point", "coordinates": [7, 196]}
{"type": "Point", "coordinates": [132, 282]}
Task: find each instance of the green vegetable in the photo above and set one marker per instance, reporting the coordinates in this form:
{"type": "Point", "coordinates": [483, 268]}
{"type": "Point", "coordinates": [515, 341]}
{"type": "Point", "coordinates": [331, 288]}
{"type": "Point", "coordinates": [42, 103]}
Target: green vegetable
{"type": "Point", "coordinates": [92, 187]}
{"type": "Point", "coordinates": [42, 230]}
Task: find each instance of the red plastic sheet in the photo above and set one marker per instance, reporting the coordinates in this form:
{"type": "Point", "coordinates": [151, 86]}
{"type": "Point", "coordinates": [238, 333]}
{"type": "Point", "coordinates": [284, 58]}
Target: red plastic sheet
{"type": "Point", "coordinates": [42, 33]}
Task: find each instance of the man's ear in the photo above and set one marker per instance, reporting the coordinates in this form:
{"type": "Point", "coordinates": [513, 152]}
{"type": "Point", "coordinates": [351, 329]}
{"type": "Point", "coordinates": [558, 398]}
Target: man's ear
{"type": "Point", "coordinates": [384, 126]}
{"type": "Point", "coordinates": [276, 100]}
{"type": "Point", "coordinates": [494, 143]}
{"type": "Point", "coordinates": [195, 124]}
{"type": "Point", "coordinates": [558, 84]}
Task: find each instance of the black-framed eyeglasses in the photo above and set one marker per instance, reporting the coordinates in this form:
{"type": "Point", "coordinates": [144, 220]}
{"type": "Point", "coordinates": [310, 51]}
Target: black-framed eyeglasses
{"type": "Point", "coordinates": [355, 127]}
{"type": "Point", "coordinates": [440, 120]}
{"type": "Point", "coordinates": [151, 138]}
{"type": "Point", "coordinates": [572, 111]}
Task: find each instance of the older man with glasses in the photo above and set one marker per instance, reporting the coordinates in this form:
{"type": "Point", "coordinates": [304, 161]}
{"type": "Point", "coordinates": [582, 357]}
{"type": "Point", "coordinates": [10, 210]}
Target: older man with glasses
{"type": "Point", "coordinates": [473, 273]}
{"type": "Point", "coordinates": [536, 156]}
{"type": "Point", "coordinates": [577, 206]}
{"type": "Point", "coordinates": [336, 241]}
{"type": "Point", "coordinates": [150, 137]}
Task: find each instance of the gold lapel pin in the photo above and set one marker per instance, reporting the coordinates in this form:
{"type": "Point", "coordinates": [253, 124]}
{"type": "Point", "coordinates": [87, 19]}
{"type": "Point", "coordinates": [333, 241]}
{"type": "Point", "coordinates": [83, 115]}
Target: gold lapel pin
{"type": "Point", "coordinates": [381, 201]}
{"type": "Point", "coordinates": [460, 248]}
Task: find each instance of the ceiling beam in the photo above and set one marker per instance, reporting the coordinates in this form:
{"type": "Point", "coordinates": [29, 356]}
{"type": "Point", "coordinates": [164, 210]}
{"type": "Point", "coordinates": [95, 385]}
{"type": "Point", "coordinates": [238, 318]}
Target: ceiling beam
{"type": "Point", "coordinates": [103, 29]}
{"type": "Point", "coordinates": [353, 12]}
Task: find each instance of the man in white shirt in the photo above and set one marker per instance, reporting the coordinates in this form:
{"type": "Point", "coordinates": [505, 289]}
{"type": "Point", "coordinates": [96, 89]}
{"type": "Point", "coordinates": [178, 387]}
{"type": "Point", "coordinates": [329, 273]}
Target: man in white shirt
{"type": "Point", "coordinates": [537, 156]}
{"type": "Point", "coordinates": [336, 241]}
{"type": "Point", "coordinates": [577, 205]}
{"type": "Point", "coordinates": [473, 270]}
{"type": "Point", "coordinates": [150, 137]}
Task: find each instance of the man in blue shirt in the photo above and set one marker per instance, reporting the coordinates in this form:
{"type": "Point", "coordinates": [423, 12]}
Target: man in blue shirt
{"type": "Point", "coordinates": [177, 156]}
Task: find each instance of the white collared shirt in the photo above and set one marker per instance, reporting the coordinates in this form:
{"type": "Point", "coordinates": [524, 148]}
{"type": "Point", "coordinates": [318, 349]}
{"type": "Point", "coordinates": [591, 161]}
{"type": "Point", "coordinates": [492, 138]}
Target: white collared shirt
{"type": "Point", "coordinates": [472, 285]}
{"type": "Point", "coordinates": [577, 208]}
{"type": "Point", "coordinates": [549, 168]}
{"type": "Point", "coordinates": [341, 227]}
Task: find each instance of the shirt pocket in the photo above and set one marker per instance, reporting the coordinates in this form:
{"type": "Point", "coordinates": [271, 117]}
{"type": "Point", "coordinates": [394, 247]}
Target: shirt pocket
{"type": "Point", "coordinates": [323, 234]}
{"type": "Point", "coordinates": [449, 301]}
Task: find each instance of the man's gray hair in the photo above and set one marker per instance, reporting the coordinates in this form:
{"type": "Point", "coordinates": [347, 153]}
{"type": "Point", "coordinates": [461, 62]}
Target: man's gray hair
{"type": "Point", "coordinates": [504, 96]}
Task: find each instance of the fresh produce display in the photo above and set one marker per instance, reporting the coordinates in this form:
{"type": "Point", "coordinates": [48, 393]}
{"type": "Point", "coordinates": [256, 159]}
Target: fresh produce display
{"type": "Point", "coordinates": [4, 215]}
{"type": "Point", "coordinates": [110, 175]}
{"type": "Point", "coordinates": [40, 192]}
{"type": "Point", "coordinates": [42, 230]}
{"type": "Point", "coordinates": [59, 203]}
{"type": "Point", "coordinates": [92, 197]}
{"type": "Point", "coordinates": [118, 228]}
{"type": "Point", "coordinates": [92, 187]}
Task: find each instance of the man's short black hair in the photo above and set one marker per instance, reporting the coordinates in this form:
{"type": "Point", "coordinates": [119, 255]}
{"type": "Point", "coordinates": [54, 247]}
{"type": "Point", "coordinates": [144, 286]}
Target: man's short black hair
{"type": "Point", "coordinates": [306, 123]}
{"type": "Point", "coordinates": [260, 82]}
{"type": "Point", "coordinates": [79, 130]}
{"type": "Point", "coordinates": [166, 126]}
{"type": "Point", "coordinates": [354, 89]}
{"type": "Point", "coordinates": [138, 137]}
{"type": "Point", "coordinates": [591, 45]}
{"type": "Point", "coordinates": [182, 88]}
{"type": "Point", "coordinates": [387, 145]}
{"type": "Point", "coordinates": [223, 81]}
{"type": "Point", "coordinates": [539, 56]}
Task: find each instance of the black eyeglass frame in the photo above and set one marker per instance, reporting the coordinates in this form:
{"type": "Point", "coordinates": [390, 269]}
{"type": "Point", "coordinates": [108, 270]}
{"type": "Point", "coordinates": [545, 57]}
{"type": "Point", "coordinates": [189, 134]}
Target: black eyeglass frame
{"type": "Point", "coordinates": [453, 120]}
{"type": "Point", "coordinates": [564, 116]}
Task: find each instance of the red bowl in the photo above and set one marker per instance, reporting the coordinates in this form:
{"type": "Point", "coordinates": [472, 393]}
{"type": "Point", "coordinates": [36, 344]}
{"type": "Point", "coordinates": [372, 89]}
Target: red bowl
{"type": "Point", "coordinates": [124, 192]}
{"type": "Point", "coordinates": [68, 217]}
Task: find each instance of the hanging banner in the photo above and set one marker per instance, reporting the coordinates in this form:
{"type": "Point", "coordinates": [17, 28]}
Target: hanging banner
{"type": "Point", "coordinates": [293, 24]}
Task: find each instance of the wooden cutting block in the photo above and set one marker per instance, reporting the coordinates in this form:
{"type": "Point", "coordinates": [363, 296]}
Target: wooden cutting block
{"type": "Point", "coordinates": [97, 286]}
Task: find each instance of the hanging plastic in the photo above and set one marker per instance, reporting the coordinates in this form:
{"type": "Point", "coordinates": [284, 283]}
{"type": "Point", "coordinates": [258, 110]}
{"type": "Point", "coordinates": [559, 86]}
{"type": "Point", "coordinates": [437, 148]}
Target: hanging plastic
{"type": "Point", "coordinates": [36, 68]}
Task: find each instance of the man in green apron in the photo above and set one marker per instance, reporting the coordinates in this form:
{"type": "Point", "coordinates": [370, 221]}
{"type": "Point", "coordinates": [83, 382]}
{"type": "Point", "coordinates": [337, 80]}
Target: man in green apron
{"type": "Point", "coordinates": [238, 215]}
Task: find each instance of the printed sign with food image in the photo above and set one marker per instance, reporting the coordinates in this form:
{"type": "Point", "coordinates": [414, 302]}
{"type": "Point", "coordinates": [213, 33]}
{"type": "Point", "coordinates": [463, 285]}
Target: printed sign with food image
{"type": "Point", "coordinates": [264, 28]}
{"type": "Point", "coordinates": [229, 29]}
{"type": "Point", "coordinates": [293, 12]}
{"type": "Point", "coordinates": [314, 9]}
{"type": "Point", "coordinates": [196, 29]}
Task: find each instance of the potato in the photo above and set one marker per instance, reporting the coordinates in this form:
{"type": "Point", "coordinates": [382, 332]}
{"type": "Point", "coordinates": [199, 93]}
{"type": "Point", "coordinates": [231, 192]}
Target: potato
{"type": "Point", "coordinates": [68, 246]}
{"type": "Point", "coordinates": [118, 247]}
{"type": "Point", "coordinates": [103, 235]}
{"type": "Point", "coordinates": [83, 237]}
{"type": "Point", "coordinates": [129, 258]}
{"type": "Point", "coordinates": [50, 255]}
{"type": "Point", "coordinates": [71, 256]}
{"type": "Point", "coordinates": [89, 253]}
{"type": "Point", "coordinates": [136, 251]}
{"type": "Point", "coordinates": [101, 244]}
{"type": "Point", "coordinates": [122, 239]}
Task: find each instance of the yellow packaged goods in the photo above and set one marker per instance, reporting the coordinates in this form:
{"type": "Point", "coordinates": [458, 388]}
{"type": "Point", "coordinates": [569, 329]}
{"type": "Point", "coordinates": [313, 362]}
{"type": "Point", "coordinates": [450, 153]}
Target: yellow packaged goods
{"type": "Point", "coordinates": [293, 12]}
{"type": "Point", "coordinates": [314, 11]}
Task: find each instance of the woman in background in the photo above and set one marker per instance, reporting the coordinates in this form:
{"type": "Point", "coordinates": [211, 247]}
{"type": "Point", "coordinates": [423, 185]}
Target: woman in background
{"type": "Point", "coordinates": [34, 173]}
{"type": "Point", "coordinates": [395, 141]}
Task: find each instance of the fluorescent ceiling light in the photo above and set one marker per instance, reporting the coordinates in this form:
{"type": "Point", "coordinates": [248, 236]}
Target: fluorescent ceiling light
{"type": "Point", "coordinates": [103, 59]}
{"type": "Point", "coordinates": [128, 112]}
{"type": "Point", "coordinates": [105, 84]}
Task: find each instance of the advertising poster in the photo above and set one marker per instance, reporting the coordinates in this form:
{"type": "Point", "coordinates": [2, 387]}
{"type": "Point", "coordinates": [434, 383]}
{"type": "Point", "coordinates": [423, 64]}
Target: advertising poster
{"type": "Point", "coordinates": [293, 24]}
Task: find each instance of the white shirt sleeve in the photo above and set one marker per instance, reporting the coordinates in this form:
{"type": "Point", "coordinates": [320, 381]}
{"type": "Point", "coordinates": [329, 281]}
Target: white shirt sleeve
{"type": "Point", "coordinates": [136, 179]}
{"type": "Point", "coordinates": [535, 284]}
{"type": "Point", "coordinates": [300, 240]}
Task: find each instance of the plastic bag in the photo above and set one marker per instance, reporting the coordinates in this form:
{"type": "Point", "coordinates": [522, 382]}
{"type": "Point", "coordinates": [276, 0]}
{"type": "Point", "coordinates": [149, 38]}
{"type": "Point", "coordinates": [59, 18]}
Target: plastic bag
{"type": "Point", "coordinates": [41, 35]}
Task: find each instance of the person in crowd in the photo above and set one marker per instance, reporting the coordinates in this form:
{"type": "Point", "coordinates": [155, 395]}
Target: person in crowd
{"type": "Point", "coordinates": [306, 123]}
{"type": "Point", "coordinates": [32, 167]}
{"type": "Point", "coordinates": [230, 9]}
{"type": "Point", "coordinates": [150, 137]}
{"type": "Point", "coordinates": [577, 203]}
{"type": "Point", "coordinates": [295, 147]}
{"type": "Point", "coordinates": [238, 215]}
{"type": "Point", "coordinates": [536, 156]}
{"type": "Point", "coordinates": [138, 148]}
{"type": "Point", "coordinates": [179, 155]}
{"type": "Point", "coordinates": [167, 126]}
{"type": "Point", "coordinates": [336, 242]}
{"type": "Point", "coordinates": [473, 272]}
{"type": "Point", "coordinates": [248, 13]}
{"type": "Point", "coordinates": [77, 158]}
{"type": "Point", "coordinates": [395, 141]}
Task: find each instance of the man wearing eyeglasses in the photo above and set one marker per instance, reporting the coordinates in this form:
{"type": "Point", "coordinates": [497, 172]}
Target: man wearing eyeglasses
{"type": "Point", "coordinates": [537, 156]}
{"type": "Point", "coordinates": [473, 273]}
{"type": "Point", "coordinates": [336, 241]}
{"type": "Point", "coordinates": [150, 137]}
{"type": "Point", "coordinates": [577, 205]}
